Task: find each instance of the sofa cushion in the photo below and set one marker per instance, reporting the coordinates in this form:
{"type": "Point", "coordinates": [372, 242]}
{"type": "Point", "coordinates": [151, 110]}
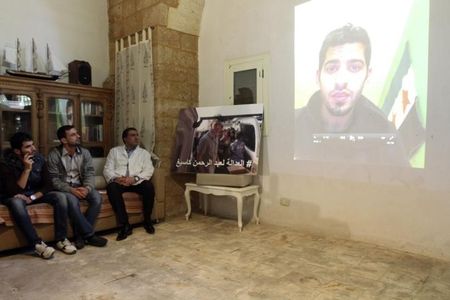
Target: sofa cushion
{"type": "Point", "coordinates": [42, 213]}
{"type": "Point", "coordinates": [99, 164]}
{"type": "Point", "coordinates": [100, 183]}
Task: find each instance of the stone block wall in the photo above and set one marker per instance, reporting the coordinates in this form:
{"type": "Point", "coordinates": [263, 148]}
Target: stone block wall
{"type": "Point", "coordinates": [175, 59]}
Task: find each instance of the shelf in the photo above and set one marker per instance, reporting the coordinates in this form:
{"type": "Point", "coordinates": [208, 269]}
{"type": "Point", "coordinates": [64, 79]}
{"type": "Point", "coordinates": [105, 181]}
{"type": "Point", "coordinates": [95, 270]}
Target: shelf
{"type": "Point", "coordinates": [92, 116]}
{"type": "Point", "coordinates": [58, 113]}
{"type": "Point", "coordinates": [19, 110]}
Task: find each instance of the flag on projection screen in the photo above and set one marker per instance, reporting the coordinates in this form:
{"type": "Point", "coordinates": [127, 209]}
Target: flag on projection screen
{"type": "Point", "coordinates": [402, 99]}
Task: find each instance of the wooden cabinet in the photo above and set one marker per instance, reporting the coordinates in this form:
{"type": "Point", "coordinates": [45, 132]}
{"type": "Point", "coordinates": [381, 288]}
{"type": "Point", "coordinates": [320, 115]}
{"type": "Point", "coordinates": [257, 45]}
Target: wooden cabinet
{"type": "Point", "coordinates": [41, 107]}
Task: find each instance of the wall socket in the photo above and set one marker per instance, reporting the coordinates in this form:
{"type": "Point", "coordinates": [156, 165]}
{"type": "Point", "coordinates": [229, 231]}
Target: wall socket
{"type": "Point", "coordinates": [285, 201]}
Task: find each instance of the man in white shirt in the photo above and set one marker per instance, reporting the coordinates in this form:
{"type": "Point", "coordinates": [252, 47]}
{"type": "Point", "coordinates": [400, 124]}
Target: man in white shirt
{"type": "Point", "coordinates": [129, 168]}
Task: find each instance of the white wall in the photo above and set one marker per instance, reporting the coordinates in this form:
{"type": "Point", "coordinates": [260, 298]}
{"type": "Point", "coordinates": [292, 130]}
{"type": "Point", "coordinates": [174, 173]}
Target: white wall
{"type": "Point", "coordinates": [74, 30]}
{"type": "Point", "coordinates": [393, 207]}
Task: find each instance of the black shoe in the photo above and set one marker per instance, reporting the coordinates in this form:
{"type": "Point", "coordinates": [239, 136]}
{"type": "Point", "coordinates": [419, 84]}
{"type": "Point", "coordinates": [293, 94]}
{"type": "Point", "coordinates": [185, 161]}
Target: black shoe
{"type": "Point", "coordinates": [79, 243]}
{"type": "Point", "coordinates": [149, 228]}
{"type": "Point", "coordinates": [96, 241]}
{"type": "Point", "coordinates": [124, 232]}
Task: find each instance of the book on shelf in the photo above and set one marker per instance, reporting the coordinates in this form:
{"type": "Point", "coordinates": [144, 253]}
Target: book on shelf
{"type": "Point", "coordinates": [100, 132]}
{"type": "Point", "coordinates": [92, 109]}
{"type": "Point", "coordinates": [92, 133]}
{"type": "Point", "coordinates": [84, 134]}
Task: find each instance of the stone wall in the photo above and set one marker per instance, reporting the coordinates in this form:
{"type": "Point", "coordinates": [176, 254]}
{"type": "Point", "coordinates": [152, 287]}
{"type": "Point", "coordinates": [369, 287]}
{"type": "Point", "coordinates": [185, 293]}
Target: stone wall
{"type": "Point", "coordinates": [175, 25]}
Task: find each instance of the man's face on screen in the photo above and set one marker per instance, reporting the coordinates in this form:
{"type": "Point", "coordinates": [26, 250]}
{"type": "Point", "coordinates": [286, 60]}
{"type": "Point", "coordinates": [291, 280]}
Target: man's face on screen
{"type": "Point", "coordinates": [342, 77]}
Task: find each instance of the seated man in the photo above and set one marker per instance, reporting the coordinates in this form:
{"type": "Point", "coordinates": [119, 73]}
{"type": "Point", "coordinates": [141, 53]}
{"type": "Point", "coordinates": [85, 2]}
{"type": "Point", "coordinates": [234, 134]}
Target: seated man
{"type": "Point", "coordinates": [129, 169]}
{"type": "Point", "coordinates": [26, 181]}
{"type": "Point", "coordinates": [72, 172]}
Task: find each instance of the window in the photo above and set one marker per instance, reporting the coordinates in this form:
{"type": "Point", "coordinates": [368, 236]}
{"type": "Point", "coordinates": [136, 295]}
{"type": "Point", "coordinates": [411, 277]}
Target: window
{"type": "Point", "coordinates": [246, 82]}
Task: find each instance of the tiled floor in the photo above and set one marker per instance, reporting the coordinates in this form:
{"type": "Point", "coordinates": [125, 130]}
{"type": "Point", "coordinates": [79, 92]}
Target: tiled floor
{"type": "Point", "coordinates": [207, 258]}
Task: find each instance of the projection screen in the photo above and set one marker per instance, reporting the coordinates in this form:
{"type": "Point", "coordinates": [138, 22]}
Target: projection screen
{"type": "Point", "coordinates": [361, 81]}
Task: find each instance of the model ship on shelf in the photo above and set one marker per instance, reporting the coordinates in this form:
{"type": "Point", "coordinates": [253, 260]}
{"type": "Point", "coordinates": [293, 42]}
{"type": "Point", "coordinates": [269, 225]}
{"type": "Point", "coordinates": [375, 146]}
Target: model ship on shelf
{"type": "Point", "coordinates": [51, 72]}
{"type": "Point", "coordinates": [18, 102]}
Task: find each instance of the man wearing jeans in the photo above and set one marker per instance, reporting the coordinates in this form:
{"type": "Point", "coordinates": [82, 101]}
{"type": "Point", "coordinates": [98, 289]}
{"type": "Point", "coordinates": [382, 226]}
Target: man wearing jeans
{"type": "Point", "coordinates": [72, 172]}
{"type": "Point", "coordinates": [25, 181]}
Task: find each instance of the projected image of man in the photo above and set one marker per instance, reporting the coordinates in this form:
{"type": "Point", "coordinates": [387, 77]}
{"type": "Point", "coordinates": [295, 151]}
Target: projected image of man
{"type": "Point", "coordinates": [207, 149]}
{"type": "Point", "coordinates": [339, 123]}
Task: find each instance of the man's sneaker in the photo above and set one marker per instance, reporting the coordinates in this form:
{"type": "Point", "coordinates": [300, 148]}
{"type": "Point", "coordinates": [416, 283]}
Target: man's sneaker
{"type": "Point", "coordinates": [43, 250]}
{"type": "Point", "coordinates": [66, 247]}
{"type": "Point", "coordinates": [96, 241]}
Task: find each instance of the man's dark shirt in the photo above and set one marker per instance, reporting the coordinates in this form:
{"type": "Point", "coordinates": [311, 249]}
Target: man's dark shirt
{"type": "Point", "coordinates": [11, 167]}
{"type": "Point", "coordinates": [368, 121]}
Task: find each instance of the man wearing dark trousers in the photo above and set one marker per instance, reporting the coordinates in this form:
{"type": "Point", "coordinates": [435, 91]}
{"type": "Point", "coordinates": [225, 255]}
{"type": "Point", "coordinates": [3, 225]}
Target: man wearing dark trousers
{"type": "Point", "coordinates": [129, 168]}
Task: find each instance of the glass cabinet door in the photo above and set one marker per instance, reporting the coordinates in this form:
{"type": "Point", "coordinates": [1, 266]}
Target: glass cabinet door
{"type": "Point", "coordinates": [91, 121]}
{"type": "Point", "coordinates": [15, 114]}
{"type": "Point", "coordinates": [60, 112]}
{"type": "Point", "coordinates": [92, 131]}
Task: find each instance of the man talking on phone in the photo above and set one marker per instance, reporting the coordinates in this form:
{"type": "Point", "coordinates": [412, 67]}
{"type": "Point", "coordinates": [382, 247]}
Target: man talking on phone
{"type": "Point", "coordinates": [26, 181]}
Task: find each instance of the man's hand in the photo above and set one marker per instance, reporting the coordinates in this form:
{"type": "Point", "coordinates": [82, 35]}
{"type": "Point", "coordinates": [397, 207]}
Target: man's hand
{"type": "Point", "coordinates": [27, 161]}
{"type": "Point", "coordinates": [80, 192]}
{"type": "Point", "coordinates": [24, 198]}
{"type": "Point", "coordinates": [83, 191]}
{"type": "Point", "coordinates": [122, 181]}
{"type": "Point", "coordinates": [130, 181]}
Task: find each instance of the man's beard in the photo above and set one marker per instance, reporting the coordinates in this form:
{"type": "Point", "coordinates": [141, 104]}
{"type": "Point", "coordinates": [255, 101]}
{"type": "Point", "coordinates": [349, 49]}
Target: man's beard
{"type": "Point", "coordinates": [337, 107]}
{"type": "Point", "coordinates": [338, 111]}
{"type": "Point", "coordinates": [338, 118]}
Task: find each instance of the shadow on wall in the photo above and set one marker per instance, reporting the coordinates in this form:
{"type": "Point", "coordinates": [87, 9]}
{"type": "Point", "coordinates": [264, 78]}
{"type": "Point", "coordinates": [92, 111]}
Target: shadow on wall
{"type": "Point", "coordinates": [295, 212]}
{"type": "Point", "coordinates": [175, 185]}
{"type": "Point", "coordinates": [285, 211]}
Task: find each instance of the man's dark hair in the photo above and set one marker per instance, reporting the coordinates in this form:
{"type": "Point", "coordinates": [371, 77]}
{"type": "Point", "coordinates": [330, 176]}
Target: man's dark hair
{"type": "Point", "coordinates": [61, 132]}
{"type": "Point", "coordinates": [125, 132]}
{"type": "Point", "coordinates": [344, 35]}
{"type": "Point", "coordinates": [18, 138]}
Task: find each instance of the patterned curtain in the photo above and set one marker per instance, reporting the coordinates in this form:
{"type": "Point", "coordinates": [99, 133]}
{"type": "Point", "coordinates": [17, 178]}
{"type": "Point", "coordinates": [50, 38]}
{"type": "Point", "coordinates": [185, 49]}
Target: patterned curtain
{"type": "Point", "coordinates": [135, 92]}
